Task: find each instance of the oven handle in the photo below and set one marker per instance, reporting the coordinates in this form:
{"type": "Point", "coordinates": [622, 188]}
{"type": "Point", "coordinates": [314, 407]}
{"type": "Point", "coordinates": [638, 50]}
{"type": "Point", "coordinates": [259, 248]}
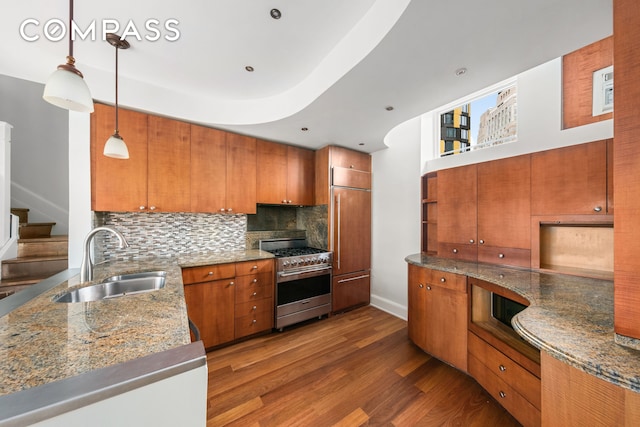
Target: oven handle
{"type": "Point", "coordinates": [350, 279]}
{"type": "Point", "coordinates": [302, 274]}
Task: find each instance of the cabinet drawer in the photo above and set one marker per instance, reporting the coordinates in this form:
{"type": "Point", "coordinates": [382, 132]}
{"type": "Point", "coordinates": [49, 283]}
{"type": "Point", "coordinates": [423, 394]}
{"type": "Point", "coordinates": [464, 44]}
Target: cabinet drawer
{"type": "Point", "coordinates": [253, 308]}
{"type": "Point", "coordinates": [507, 256]}
{"type": "Point", "coordinates": [351, 290]}
{"type": "Point", "coordinates": [443, 279]}
{"type": "Point", "coordinates": [509, 398]}
{"type": "Point", "coordinates": [207, 273]}
{"type": "Point", "coordinates": [253, 267]}
{"type": "Point", "coordinates": [258, 320]}
{"type": "Point", "coordinates": [252, 288]}
{"type": "Point", "coordinates": [521, 380]}
{"type": "Point", "coordinates": [461, 251]}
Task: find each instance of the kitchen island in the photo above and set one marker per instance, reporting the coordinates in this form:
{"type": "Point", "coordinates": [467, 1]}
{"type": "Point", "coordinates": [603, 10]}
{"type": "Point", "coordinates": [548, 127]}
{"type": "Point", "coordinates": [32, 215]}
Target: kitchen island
{"type": "Point", "coordinates": [59, 357]}
{"type": "Point", "coordinates": [569, 317]}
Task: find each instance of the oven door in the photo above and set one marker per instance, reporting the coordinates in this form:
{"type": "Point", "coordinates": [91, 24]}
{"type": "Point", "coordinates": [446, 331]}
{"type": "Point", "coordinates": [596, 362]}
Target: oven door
{"type": "Point", "coordinates": [302, 296]}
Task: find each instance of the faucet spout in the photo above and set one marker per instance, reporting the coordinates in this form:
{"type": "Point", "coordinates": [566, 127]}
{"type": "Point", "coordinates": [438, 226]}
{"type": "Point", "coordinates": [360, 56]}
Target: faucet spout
{"type": "Point", "coordinates": [86, 267]}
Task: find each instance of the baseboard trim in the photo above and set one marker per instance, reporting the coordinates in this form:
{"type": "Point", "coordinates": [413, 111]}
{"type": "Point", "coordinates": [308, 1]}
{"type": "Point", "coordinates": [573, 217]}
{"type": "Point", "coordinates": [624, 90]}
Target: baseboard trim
{"type": "Point", "coordinates": [389, 306]}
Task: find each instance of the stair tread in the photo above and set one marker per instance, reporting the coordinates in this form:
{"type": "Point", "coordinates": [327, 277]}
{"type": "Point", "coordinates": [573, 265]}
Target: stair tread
{"type": "Point", "coordinates": [37, 224]}
{"type": "Point", "coordinates": [54, 238]}
{"type": "Point", "coordinates": [23, 281]}
{"type": "Point", "coordinates": [35, 259]}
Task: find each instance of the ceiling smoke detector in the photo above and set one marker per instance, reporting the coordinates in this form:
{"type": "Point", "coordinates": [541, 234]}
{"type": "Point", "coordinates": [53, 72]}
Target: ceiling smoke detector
{"type": "Point", "coordinates": [249, 68]}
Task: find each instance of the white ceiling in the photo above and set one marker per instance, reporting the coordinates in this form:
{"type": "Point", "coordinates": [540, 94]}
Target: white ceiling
{"type": "Point", "coordinates": [331, 66]}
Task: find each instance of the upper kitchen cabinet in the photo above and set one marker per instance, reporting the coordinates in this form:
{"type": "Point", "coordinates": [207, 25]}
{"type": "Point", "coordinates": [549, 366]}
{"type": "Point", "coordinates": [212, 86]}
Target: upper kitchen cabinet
{"type": "Point", "coordinates": [223, 171]}
{"type": "Point", "coordinates": [285, 173]}
{"type": "Point", "coordinates": [457, 213]}
{"type": "Point", "coordinates": [118, 185]}
{"type": "Point", "coordinates": [345, 158]}
{"type": "Point", "coordinates": [169, 162]}
{"type": "Point", "coordinates": [570, 180]}
{"type": "Point", "coordinates": [504, 211]}
{"type": "Point", "coordinates": [156, 175]}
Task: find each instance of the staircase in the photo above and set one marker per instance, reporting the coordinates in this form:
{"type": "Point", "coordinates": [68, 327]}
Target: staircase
{"type": "Point", "coordinates": [40, 255]}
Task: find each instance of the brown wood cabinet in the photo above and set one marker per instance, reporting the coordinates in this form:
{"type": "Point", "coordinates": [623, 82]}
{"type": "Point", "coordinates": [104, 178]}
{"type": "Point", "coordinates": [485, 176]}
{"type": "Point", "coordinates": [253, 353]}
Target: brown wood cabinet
{"type": "Point", "coordinates": [570, 180]}
{"type": "Point", "coordinates": [285, 174]}
{"type": "Point", "coordinates": [118, 185]}
{"type": "Point", "coordinates": [156, 175]}
{"type": "Point", "coordinates": [223, 171]}
{"type": "Point", "coordinates": [573, 398]}
{"type": "Point", "coordinates": [230, 301]}
{"type": "Point", "coordinates": [457, 213]}
{"type": "Point", "coordinates": [504, 211]}
{"type": "Point", "coordinates": [343, 183]}
{"type": "Point", "coordinates": [626, 18]}
{"type": "Point", "coordinates": [209, 292]}
{"type": "Point", "coordinates": [438, 315]}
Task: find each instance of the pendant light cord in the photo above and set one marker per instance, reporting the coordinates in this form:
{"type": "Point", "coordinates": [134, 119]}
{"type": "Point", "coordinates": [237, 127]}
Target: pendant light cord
{"type": "Point", "coordinates": [117, 128]}
{"type": "Point", "coordinates": [70, 28]}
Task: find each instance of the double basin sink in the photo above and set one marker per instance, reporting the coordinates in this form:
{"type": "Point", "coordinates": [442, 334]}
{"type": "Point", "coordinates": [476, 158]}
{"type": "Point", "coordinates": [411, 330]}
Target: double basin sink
{"type": "Point", "coordinates": [117, 286]}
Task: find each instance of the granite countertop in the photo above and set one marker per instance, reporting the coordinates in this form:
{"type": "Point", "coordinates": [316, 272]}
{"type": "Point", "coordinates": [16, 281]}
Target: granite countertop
{"type": "Point", "coordinates": [569, 317]}
{"type": "Point", "coordinates": [43, 341]}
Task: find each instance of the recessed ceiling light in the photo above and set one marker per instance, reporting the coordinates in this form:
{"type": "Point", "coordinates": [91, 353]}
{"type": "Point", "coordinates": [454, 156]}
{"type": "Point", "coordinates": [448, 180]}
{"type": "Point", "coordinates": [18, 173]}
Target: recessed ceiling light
{"type": "Point", "coordinates": [389, 108]}
{"type": "Point", "coordinates": [461, 71]}
{"type": "Point", "coordinates": [304, 129]}
{"type": "Point", "coordinates": [249, 68]}
{"type": "Point", "coordinates": [275, 14]}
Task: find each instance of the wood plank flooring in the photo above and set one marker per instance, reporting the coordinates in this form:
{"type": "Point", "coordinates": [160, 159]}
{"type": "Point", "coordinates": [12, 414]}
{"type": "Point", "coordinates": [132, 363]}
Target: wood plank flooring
{"type": "Point", "coordinates": [353, 369]}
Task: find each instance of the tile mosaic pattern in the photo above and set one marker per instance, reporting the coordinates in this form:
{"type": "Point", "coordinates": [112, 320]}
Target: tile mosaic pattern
{"type": "Point", "coordinates": [161, 234]}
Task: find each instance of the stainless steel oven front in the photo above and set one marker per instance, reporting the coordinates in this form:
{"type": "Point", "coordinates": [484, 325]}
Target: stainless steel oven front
{"type": "Point", "coordinates": [302, 295]}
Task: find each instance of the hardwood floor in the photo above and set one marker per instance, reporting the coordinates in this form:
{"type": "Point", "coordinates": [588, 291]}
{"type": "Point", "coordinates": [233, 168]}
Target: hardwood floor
{"type": "Point", "coordinates": [353, 369]}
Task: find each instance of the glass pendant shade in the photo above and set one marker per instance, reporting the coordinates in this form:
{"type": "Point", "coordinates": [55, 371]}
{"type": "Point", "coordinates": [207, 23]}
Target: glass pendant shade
{"type": "Point", "coordinates": [115, 147]}
{"type": "Point", "coordinates": [67, 89]}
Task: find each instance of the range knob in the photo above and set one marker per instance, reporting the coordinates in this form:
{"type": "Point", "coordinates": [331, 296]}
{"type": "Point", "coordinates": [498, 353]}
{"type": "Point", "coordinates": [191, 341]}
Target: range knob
{"type": "Point", "coordinates": [285, 263]}
{"type": "Point", "coordinates": [314, 260]}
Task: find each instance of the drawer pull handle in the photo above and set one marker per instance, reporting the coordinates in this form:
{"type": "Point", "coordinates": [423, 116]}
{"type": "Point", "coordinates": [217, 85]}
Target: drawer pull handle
{"type": "Point", "coordinates": [254, 321]}
{"type": "Point", "coordinates": [502, 368]}
{"type": "Point", "coordinates": [502, 394]}
{"type": "Point", "coordinates": [421, 286]}
{"type": "Point", "coordinates": [471, 241]}
{"type": "Point", "coordinates": [255, 280]}
{"type": "Point", "coordinates": [210, 273]}
{"type": "Point", "coordinates": [500, 255]}
{"type": "Point", "coordinates": [455, 251]}
{"type": "Point", "coordinates": [255, 308]}
{"type": "Point", "coordinates": [443, 279]}
{"type": "Point", "coordinates": [364, 276]}
{"type": "Point", "coordinates": [231, 283]}
{"type": "Point", "coordinates": [255, 267]}
{"type": "Point", "coordinates": [254, 294]}
{"type": "Point", "coordinates": [428, 288]}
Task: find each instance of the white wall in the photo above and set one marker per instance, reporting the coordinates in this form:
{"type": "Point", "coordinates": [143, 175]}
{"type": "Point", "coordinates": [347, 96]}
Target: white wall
{"type": "Point", "coordinates": [397, 171]}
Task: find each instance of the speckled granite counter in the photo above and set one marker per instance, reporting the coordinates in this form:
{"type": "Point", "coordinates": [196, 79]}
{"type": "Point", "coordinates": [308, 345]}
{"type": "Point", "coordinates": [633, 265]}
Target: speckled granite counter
{"type": "Point", "coordinates": [43, 341]}
{"type": "Point", "coordinates": [569, 317]}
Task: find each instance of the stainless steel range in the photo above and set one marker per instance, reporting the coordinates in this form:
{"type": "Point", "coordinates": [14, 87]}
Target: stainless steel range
{"type": "Point", "coordinates": [303, 280]}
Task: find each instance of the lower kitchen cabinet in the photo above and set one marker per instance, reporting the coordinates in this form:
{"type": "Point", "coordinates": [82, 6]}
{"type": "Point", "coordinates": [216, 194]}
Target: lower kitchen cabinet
{"type": "Point", "coordinates": [230, 301]}
{"type": "Point", "coordinates": [515, 388]}
{"type": "Point", "coordinates": [438, 314]}
{"type": "Point", "coordinates": [351, 290]}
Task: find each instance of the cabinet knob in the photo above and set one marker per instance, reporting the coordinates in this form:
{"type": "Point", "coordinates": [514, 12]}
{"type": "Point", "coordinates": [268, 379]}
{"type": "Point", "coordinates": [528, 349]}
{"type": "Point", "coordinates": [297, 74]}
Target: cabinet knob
{"type": "Point", "coordinates": [222, 209]}
{"type": "Point", "coordinates": [255, 267]}
{"type": "Point", "coordinates": [232, 283]}
{"type": "Point", "coordinates": [500, 255]}
{"type": "Point", "coordinates": [443, 279]}
{"type": "Point", "coordinates": [502, 368]}
{"type": "Point", "coordinates": [455, 251]}
{"type": "Point", "coordinates": [428, 288]}
{"type": "Point", "coordinates": [254, 321]}
{"type": "Point", "coordinates": [421, 286]}
{"type": "Point", "coordinates": [284, 201]}
{"type": "Point", "coordinates": [254, 294]}
{"type": "Point", "coordinates": [210, 273]}
{"type": "Point", "coordinates": [254, 308]}
{"type": "Point", "coordinates": [289, 201]}
{"type": "Point", "coordinates": [598, 209]}
{"type": "Point", "coordinates": [481, 241]}
{"type": "Point", "coordinates": [153, 208]}
{"type": "Point", "coordinates": [229, 210]}
{"type": "Point", "coordinates": [142, 208]}
{"type": "Point", "coordinates": [502, 394]}
{"type": "Point", "coordinates": [255, 281]}
{"type": "Point", "coordinates": [472, 241]}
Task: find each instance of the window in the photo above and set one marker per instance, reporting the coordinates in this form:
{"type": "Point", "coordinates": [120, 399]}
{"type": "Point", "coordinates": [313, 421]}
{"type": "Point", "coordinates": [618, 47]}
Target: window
{"type": "Point", "coordinates": [481, 121]}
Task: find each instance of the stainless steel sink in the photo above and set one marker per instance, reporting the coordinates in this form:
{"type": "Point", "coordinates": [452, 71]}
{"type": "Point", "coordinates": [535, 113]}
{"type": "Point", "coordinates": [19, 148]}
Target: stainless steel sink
{"type": "Point", "coordinates": [117, 286]}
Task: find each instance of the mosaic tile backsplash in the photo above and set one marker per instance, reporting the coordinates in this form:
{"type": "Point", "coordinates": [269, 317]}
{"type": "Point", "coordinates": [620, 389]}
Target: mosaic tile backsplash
{"type": "Point", "coordinates": [158, 234]}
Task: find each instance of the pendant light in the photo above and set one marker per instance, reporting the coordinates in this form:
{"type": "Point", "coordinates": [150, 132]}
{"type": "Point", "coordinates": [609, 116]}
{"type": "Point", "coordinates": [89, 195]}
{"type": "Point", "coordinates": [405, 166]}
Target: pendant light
{"type": "Point", "coordinates": [115, 146]}
{"type": "Point", "coordinates": [66, 87]}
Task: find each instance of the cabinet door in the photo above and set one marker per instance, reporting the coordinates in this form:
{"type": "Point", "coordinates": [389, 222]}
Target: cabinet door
{"type": "Point", "coordinates": [446, 325]}
{"type": "Point", "coordinates": [241, 174]}
{"type": "Point", "coordinates": [210, 305]}
{"type": "Point", "coordinates": [457, 213]}
{"type": "Point", "coordinates": [504, 211]}
{"type": "Point", "coordinates": [351, 230]}
{"type": "Point", "coordinates": [300, 176]}
{"type": "Point", "coordinates": [570, 180]}
{"type": "Point", "coordinates": [271, 172]}
{"type": "Point", "coordinates": [118, 185]}
{"type": "Point", "coordinates": [208, 169]}
{"type": "Point", "coordinates": [417, 313]}
{"type": "Point", "coordinates": [346, 158]}
{"type": "Point", "coordinates": [169, 174]}
{"type": "Point", "coordinates": [350, 290]}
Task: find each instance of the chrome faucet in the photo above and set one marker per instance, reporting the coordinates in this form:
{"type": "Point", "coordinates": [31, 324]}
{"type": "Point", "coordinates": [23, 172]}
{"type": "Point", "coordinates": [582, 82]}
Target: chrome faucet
{"type": "Point", "coordinates": [86, 268]}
